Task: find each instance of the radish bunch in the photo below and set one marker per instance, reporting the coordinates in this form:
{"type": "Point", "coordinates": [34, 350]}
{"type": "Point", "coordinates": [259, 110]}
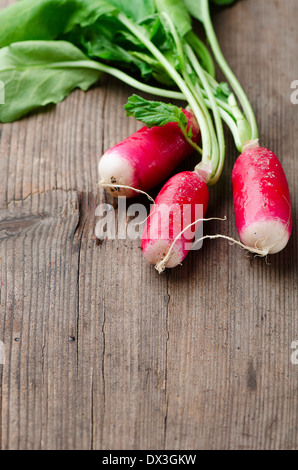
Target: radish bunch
{"type": "Point", "coordinates": [260, 190]}
{"type": "Point", "coordinates": [151, 46]}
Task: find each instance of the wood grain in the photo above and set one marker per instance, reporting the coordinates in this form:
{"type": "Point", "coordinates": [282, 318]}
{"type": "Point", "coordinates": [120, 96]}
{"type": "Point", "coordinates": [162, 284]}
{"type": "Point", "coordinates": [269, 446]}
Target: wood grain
{"type": "Point", "coordinates": [101, 352]}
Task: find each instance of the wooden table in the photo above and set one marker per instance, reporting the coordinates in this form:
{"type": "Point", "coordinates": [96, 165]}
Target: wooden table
{"type": "Point", "coordinates": [102, 352]}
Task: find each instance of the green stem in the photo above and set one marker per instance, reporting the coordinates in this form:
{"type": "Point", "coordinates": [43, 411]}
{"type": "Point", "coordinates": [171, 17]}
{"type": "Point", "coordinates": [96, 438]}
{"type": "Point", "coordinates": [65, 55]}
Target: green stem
{"type": "Point", "coordinates": [223, 104]}
{"type": "Point", "coordinates": [177, 79]}
{"type": "Point", "coordinates": [213, 155]}
{"type": "Point", "coordinates": [242, 126]}
{"type": "Point", "coordinates": [193, 144]}
{"type": "Point", "coordinates": [202, 52]}
{"type": "Point", "coordinates": [185, 73]}
{"type": "Point", "coordinates": [218, 164]}
{"type": "Point", "coordinates": [230, 122]}
{"type": "Point", "coordinates": [95, 65]}
{"type": "Point", "coordinates": [227, 70]}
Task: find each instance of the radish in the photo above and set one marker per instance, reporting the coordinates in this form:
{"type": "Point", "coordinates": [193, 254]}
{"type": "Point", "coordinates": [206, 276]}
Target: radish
{"type": "Point", "coordinates": [182, 194]}
{"type": "Point", "coordinates": [261, 200]}
{"type": "Point", "coordinates": [261, 194]}
{"type": "Point", "coordinates": [145, 158]}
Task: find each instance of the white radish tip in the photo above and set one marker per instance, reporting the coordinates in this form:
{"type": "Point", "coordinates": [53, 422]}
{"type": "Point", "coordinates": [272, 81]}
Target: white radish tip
{"type": "Point", "coordinates": [116, 174]}
{"type": "Point", "coordinates": [270, 236]}
{"type": "Point", "coordinates": [163, 255]}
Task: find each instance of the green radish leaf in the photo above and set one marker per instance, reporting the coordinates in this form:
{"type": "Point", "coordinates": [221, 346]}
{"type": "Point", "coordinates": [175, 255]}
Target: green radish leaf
{"type": "Point", "coordinates": [36, 73]}
{"type": "Point", "coordinates": [108, 40]}
{"type": "Point", "coordinates": [135, 9]}
{"type": "Point", "coordinates": [101, 47]}
{"type": "Point", "coordinates": [47, 19]}
{"type": "Point", "coordinates": [195, 8]}
{"type": "Point", "coordinates": [156, 32]}
{"type": "Point", "coordinates": [154, 113]}
{"type": "Point", "coordinates": [223, 92]}
{"type": "Point", "coordinates": [177, 12]}
{"type": "Point", "coordinates": [151, 67]}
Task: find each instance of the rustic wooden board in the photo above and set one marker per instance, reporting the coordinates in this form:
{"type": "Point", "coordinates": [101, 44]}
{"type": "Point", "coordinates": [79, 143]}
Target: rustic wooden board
{"type": "Point", "coordinates": [101, 352]}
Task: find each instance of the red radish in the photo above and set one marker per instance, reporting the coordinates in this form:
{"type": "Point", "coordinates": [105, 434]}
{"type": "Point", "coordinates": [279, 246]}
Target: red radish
{"type": "Point", "coordinates": [261, 200]}
{"type": "Point", "coordinates": [184, 191]}
{"type": "Point", "coordinates": [145, 158]}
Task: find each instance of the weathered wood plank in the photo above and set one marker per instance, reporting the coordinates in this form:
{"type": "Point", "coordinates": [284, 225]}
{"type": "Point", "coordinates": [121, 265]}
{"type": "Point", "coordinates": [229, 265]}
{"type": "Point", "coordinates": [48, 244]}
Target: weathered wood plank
{"type": "Point", "coordinates": [101, 351]}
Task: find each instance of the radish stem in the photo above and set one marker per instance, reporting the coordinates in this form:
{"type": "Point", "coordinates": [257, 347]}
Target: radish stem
{"type": "Point", "coordinates": [227, 70]}
{"type": "Point", "coordinates": [202, 52]}
{"type": "Point", "coordinates": [218, 164]}
{"type": "Point", "coordinates": [199, 97]}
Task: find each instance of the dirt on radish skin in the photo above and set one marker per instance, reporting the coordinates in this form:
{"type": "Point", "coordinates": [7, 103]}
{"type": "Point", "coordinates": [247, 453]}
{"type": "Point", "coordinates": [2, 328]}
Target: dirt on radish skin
{"type": "Point", "coordinates": [146, 158]}
{"type": "Point", "coordinates": [261, 200]}
{"type": "Point", "coordinates": [181, 201]}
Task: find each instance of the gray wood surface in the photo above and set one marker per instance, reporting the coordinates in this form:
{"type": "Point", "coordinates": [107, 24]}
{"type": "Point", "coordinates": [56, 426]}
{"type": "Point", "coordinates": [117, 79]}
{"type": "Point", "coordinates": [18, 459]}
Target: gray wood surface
{"type": "Point", "coordinates": [101, 352]}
